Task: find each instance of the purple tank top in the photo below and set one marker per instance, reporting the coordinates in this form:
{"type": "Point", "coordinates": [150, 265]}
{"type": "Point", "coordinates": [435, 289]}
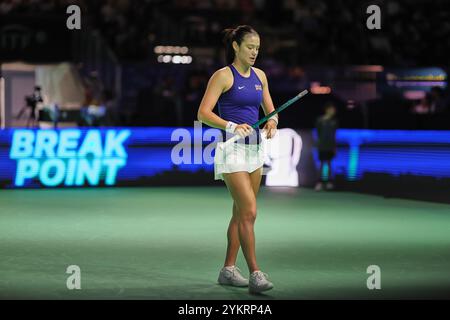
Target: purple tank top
{"type": "Point", "coordinates": [240, 104]}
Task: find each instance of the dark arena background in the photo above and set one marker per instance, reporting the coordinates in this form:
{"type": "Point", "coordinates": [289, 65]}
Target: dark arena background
{"type": "Point", "coordinates": [107, 187]}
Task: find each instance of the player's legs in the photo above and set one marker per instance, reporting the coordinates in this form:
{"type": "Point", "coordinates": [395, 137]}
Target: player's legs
{"type": "Point", "coordinates": [244, 187]}
{"type": "Point", "coordinates": [240, 186]}
{"type": "Point", "coordinates": [233, 228]}
{"type": "Point", "coordinates": [330, 184]}
{"type": "Point", "coordinates": [233, 238]}
{"type": "Point", "coordinates": [255, 178]}
{"type": "Point", "coordinates": [320, 180]}
{"type": "Point", "coordinates": [328, 162]}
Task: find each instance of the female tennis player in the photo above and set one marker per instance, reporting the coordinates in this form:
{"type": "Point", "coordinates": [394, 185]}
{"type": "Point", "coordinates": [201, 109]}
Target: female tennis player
{"type": "Point", "coordinates": [239, 89]}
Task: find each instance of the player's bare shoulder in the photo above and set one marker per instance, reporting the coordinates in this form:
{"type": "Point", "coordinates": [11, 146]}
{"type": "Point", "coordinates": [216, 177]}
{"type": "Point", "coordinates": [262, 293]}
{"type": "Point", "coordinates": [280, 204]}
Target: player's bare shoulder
{"type": "Point", "coordinates": [223, 77]}
{"type": "Point", "coordinates": [261, 75]}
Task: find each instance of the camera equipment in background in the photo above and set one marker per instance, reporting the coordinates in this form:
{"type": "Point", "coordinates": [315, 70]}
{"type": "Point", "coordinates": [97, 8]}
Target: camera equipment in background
{"type": "Point", "coordinates": [31, 103]}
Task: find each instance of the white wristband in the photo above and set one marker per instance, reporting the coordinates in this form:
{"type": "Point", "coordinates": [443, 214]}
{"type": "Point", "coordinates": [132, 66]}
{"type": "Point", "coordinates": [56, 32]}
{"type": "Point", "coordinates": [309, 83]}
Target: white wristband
{"type": "Point", "coordinates": [274, 118]}
{"type": "Point", "coordinates": [231, 126]}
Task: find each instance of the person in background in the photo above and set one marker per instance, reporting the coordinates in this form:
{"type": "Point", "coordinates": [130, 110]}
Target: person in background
{"type": "Point", "coordinates": [438, 103]}
{"type": "Point", "coordinates": [326, 126]}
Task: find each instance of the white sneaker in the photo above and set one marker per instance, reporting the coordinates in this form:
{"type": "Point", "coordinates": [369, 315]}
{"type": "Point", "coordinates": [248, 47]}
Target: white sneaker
{"type": "Point", "coordinates": [259, 282]}
{"type": "Point", "coordinates": [231, 276]}
{"type": "Point", "coordinates": [330, 186]}
{"type": "Point", "coordinates": [319, 186]}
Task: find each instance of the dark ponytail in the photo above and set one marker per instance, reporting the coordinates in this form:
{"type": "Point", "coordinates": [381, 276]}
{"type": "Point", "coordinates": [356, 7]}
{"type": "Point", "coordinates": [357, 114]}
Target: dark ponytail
{"type": "Point", "coordinates": [237, 35]}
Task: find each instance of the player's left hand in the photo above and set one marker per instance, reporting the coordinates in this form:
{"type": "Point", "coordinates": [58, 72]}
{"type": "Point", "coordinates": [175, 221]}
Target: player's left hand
{"type": "Point", "coordinates": [270, 129]}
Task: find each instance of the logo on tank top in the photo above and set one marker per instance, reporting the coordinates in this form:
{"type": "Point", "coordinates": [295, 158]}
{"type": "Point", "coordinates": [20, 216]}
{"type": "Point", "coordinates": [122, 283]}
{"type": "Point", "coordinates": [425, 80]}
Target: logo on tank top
{"type": "Point", "coordinates": [258, 87]}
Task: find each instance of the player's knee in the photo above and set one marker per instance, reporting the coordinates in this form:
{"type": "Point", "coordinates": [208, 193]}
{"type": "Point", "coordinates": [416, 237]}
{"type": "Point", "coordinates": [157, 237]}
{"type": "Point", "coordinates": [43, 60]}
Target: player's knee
{"type": "Point", "coordinates": [248, 214]}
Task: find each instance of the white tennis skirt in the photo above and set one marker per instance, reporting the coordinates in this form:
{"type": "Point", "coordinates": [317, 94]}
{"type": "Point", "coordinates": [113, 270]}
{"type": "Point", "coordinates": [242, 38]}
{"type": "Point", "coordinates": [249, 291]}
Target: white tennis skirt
{"type": "Point", "coordinates": [237, 157]}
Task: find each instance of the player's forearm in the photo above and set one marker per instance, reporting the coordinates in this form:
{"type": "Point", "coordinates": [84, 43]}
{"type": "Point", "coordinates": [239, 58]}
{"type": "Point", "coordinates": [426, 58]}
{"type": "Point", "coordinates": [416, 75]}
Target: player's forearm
{"type": "Point", "coordinates": [211, 119]}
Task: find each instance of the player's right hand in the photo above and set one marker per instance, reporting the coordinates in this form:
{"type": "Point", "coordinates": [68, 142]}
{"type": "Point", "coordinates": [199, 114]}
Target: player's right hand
{"type": "Point", "coordinates": [243, 130]}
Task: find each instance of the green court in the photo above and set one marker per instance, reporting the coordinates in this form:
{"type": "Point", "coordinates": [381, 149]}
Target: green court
{"type": "Point", "coordinates": [169, 243]}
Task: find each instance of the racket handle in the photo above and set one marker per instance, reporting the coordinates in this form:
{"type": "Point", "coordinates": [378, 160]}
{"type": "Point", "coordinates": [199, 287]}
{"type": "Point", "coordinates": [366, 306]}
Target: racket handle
{"type": "Point", "coordinates": [229, 142]}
